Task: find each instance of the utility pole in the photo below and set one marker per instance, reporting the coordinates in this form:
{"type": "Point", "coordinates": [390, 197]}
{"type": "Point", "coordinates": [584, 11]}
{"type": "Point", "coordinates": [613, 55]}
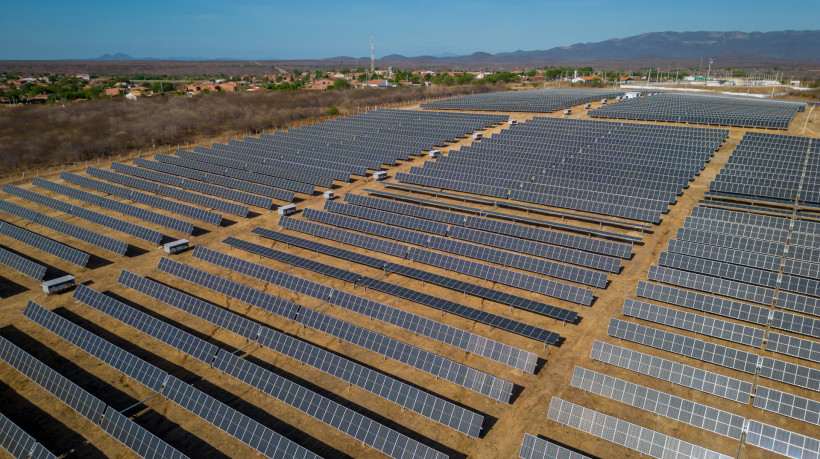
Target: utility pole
{"type": "Point", "coordinates": [709, 71]}
{"type": "Point", "coordinates": [372, 58]}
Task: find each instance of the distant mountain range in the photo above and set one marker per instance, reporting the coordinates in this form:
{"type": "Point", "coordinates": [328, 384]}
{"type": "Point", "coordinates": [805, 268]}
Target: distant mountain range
{"type": "Point", "coordinates": [782, 46]}
{"type": "Point", "coordinates": [786, 45]}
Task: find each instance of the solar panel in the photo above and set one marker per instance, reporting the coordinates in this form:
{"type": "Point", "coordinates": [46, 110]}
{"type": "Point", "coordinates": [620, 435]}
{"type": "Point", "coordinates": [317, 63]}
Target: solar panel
{"type": "Point", "coordinates": [168, 334]}
{"type": "Point", "coordinates": [793, 346]}
{"type": "Point", "coordinates": [127, 363]}
{"type": "Point", "coordinates": [538, 448]}
{"type": "Point", "coordinates": [17, 443]}
{"type": "Point", "coordinates": [386, 217]}
{"type": "Point", "coordinates": [682, 410]}
{"type": "Point", "coordinates": [44, 244]}
{"type": "Point", "coordinates": [786, 404]}
{"type": "Point", "coordinates": [684, 345]}
{"type": "Point", "coordinates": [363, 429]}
{"type": "Point", "coordinates": [467, 341]}
{"type": "Point", "coordinates": [135, 437]}
{"type": "Point", "coordinates": [22, 265]}
{"type": "Point", "coordinates": [576, 257]}
{"type": "Point", "coordinates": [230, 288]}
{"type": "Point", "coordinates": [194, 185]}
{"type": "Point", "coordinates": [570, 240]}
{"type": "Point", "coordinates": [470, 378]}
{"type": "Point", "coordinates": [494, 320]}
{"type": "Point", "coordinates": [419, 274]}
{"type": "Point", "coordinates": [781, 441]}
{"type": "Point", "coordinates": [144, 198]}
{"type": "Point", "coordinates": [623, 433]}
{"type": "Point", "coordinates": [705, 303]}
{"type": "Point", "coordinates": [122, 226]}
{"type": "Point", "coordinates": [532, 100]}
{"type": "Point", "coordinates": [697, 323]}
{"type": "Point", "coordinates": [91, 237]}
{"type": "Point", "coordinates": [709, 284]}
{"type": "Point", "coordinates": [790, 373]}
{"type": "Point", "coordinates": [76, 398]}
{"type": "Point", "coordinates": [229, 182]}
{"type": "Point", "coordinates": [116, 206]}
{"type": "Point", "coordinates": [109, 420]}
{"type": "Point", "coordinates": [182, 195]}
{"type": "Point", "coordinates": [232, 422]}
{"type": "Point", "coordinates": [703, 109]}
{"type": "Point", "coordinates": [504, 276]}
{"type": "Point", "coordinates": [674, 372]}
{"type": "Point", "coordinates": [380, 384]}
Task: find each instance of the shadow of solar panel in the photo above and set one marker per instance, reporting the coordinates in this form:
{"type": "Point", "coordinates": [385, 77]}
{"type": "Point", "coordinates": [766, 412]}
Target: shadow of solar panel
{"type": "Point", "coordinates": [79, 212]}
{"type": "Point", "coordinates": [22, 265]}
{"type": "Point", "coordinates": [674, 372]}
{"type": "Point", "coordinates": [79, 400]}
{"type": "Point", "coordinates": [684, 345]}
{"type": "Point", "coordinates": [382, 385]}
{"type": "Point", "coordinates": [19, 444]}
{"type": "Point", "coordinates": [538, 448]}
{"type": "Point", "coordinates": [143, 198]}
{"type": "Point", "coordinates": [618, 431]}
{"type": "Point", "coordinates": [232, 422]}
{"type": "Point", "coordinates": [135, 437]}
{"type": "Point", "coordinates": [103, 350]}
{"type": "Point", "coordinates": [82, 234]}
{"type": "Point", "coordinates": [44, 244]}
{"type": "Point", "coordinates": [116, 206]}
{"type": "Point", "coordinates": [176, 193]}
{"type": "Point", "coordinates": [168, 334]}
{"type": "Point", "coordinates": [492, 320]}
{"type": "Point", "coordinates": [663, 404]}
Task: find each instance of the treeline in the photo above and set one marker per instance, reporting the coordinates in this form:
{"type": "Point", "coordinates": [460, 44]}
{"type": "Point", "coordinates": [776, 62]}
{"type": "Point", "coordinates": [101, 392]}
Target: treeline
{"type": "Point", "coordinates": [47, 135]}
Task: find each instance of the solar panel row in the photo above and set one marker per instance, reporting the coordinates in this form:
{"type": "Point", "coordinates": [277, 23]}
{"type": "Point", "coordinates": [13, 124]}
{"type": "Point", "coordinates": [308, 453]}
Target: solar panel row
{"type": "Point", "coordinates": [107, 221]}
{"type": "Point", "coordinates": [117, 206]}
{"type": "Point", "coordinates": [382, 385]}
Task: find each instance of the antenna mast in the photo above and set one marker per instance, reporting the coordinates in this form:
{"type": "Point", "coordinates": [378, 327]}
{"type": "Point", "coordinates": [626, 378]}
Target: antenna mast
{"type": "Point", "coordinates": [372, 57]}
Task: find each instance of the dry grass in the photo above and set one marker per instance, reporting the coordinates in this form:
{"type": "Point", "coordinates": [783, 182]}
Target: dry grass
{"type": "Point", "coordinates": [44, 136]}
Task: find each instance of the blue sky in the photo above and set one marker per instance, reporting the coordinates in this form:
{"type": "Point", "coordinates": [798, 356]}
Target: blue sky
{"type": "Point", "coordinates": [316, 29]}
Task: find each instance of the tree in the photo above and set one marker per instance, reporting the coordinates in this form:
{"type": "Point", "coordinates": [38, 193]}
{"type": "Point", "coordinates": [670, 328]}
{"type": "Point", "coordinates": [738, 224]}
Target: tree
{"type": "Point", "coordinates": [345, 71]}
{"type": "Point", "coordinates": [332, 111]}
{"type": "Point", "coordinates": [297, 72]}
{"type": "Point", "coordinates": [341, 83]}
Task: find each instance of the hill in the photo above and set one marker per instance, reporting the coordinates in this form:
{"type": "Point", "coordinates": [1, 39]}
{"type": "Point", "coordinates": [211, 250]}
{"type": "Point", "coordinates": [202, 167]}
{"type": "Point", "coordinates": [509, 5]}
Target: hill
{"type": "Point", "coordinates": [786, 45]}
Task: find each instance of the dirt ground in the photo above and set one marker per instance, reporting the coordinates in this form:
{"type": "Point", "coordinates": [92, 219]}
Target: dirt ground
{"type": "Point", "coordinates": [67, 434]}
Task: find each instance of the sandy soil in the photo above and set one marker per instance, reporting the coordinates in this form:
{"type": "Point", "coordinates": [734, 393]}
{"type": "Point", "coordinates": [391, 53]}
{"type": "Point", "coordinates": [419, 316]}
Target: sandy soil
{"type": "Point", "coordinates": [66, 433]}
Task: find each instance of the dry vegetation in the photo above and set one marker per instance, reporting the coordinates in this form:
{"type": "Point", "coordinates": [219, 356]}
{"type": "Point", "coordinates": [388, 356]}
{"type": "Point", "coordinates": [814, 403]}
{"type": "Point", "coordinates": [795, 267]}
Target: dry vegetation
{"type": "Point", "coordinates": [43, 136]}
